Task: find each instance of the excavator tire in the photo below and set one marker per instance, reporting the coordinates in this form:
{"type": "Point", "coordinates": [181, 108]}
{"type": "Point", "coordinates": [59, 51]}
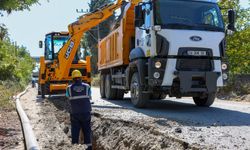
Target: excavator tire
{"type": "Point", "coordinates": [43, 90]}
{"type": "Point", "coordinates": [47, 88]}
{"type": "Point", "coordinates": [38, 89]}
{"type": "Point", "coordinates": [102, 86]}
{"type": "Point", "coordinates": [109, 92]}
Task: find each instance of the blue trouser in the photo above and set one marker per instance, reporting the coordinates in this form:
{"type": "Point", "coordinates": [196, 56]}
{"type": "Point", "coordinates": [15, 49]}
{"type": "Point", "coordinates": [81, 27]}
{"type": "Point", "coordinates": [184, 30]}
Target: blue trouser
{"type": "Point", "coordinates": [81, 121]}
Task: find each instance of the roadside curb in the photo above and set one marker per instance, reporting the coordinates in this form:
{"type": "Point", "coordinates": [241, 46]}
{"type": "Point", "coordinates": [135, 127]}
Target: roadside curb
{"type": "Point", "coordinates": [30, 139]}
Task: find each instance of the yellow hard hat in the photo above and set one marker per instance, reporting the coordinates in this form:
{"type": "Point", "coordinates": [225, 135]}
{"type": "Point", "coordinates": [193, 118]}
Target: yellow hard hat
{"type": "Point", "coordinates": [76, 74]}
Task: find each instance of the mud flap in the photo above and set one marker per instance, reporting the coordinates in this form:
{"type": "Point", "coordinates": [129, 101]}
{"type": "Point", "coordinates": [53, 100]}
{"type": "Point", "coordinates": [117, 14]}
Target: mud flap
{"type": "Point", "coordinates": [185, 78]}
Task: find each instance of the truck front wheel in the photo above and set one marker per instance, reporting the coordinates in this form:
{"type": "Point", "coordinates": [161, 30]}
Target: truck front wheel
{"type": "Point", "coordinates": [206, 101]}
{"type": "Point", "coordinates": [138, 98]}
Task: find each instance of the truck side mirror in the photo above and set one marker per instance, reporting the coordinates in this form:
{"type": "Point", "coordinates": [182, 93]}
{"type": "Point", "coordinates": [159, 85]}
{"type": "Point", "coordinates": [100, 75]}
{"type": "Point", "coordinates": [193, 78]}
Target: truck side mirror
{"type": "Point", "coordinates": [139, 19]}
{"type": "Point", "coordinates": [231, 20]}
{"type": "Point", "coordinates": [40, 44]}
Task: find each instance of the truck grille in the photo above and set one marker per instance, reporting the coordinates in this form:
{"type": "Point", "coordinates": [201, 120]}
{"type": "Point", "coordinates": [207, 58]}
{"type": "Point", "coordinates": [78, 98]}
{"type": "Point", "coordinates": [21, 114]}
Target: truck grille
{"type": "Point", "coordinates": [187, 62]}
{"type": "Point", "coordinates": [193, 64]}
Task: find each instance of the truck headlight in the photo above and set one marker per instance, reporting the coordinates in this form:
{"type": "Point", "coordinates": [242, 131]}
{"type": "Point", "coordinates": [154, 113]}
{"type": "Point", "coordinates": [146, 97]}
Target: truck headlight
{"type": "Point", "coordinates": [224, 76]}
{"type": "Point", "coordinates": [157, 64]}
{"type": "Point", "coordinates": [224, 66]}
{"type": "Point", "coordinates": [157, 75]}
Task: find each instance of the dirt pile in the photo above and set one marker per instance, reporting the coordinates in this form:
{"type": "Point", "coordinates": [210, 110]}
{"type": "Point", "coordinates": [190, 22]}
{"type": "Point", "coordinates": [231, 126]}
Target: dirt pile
{"type": "Point", "coordinates": [114, 134]}
{"type": "Point", "coordinates": [237, 89]}
{"type": "Point", "coordinates": [119, 134]}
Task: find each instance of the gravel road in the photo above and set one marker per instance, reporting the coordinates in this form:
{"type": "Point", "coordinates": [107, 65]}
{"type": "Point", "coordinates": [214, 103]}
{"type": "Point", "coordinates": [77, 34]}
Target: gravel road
{"type": "Point", "coordinates": [164, 124]}
{"type": "Point", "coordinates": [225, 125]}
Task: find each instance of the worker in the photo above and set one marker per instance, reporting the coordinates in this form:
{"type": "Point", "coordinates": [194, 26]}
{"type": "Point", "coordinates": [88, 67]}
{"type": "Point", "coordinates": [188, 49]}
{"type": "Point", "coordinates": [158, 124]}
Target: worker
{"type": "Point", "coordinates": [79, 105]}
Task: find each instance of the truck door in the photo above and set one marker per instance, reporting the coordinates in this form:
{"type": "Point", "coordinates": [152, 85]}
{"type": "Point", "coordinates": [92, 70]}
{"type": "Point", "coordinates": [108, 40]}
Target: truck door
{"type": "Point", "coordinates": [144, 35]}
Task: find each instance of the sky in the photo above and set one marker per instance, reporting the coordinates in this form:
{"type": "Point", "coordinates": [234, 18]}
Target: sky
{"type": "Point", "coordinates": [27, 28]}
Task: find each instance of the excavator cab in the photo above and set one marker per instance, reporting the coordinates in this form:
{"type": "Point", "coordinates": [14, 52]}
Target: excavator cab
{"type": "Point", "coordinates": [53, 43]}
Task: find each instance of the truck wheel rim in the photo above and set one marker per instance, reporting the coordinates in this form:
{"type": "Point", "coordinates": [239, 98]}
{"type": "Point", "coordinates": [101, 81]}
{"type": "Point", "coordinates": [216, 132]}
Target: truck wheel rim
{"type": "Point", "coordinates": [135, 90]}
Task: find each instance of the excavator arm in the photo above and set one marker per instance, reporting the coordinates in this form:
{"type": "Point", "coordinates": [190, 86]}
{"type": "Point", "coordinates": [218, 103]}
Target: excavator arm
{"type": "Point", "coordinates": [76, 31]}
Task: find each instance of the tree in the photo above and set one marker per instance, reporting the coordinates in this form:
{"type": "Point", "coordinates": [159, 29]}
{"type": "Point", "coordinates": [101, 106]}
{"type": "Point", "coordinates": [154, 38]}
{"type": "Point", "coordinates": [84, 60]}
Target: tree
{"type": "Point", "coordinates": [3, 32]}
{"type": "Point", "coordinates": [15, 5]}
{"type": "Point", "coordinates": [238, 44]}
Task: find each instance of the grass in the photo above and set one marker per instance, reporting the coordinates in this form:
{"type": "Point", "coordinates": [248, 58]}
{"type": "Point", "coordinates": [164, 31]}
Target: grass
{"type": "Point", "coordinates": [7, 90]}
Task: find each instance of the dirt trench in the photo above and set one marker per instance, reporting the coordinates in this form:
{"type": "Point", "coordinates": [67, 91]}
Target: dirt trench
{"type": "Point", "coordinates": [118, 134]}
{"type": "Point", "coordinates": [51, 125]}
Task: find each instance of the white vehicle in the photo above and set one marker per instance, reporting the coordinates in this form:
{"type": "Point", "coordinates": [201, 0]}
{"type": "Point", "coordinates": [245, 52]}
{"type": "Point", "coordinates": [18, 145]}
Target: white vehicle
{"type": "Point", "coordinates": [35, 74]}
{"type": "Point", "coordinates": [35, 71]}
{"type": "Point", "coordinates": [179, 49]}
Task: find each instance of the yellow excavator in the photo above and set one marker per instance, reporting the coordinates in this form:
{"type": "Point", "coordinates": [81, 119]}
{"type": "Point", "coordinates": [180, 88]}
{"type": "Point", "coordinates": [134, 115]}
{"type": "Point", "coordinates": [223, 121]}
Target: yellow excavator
{"type": "Point", "coordinates": [61, 55]}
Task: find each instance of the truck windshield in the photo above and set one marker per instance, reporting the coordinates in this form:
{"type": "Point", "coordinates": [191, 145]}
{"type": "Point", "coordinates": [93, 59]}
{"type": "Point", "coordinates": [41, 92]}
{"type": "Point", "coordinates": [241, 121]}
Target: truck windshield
{"type": "Point", "coordinates": [58, 42]}
{"type": "Point", "coordinates": [192, 15]}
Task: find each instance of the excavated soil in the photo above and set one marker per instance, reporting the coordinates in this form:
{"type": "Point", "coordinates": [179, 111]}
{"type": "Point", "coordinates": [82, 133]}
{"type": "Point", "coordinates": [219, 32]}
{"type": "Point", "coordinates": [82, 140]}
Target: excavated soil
{"type": "Point", "coordinates": [116, 134]}
{"type": "Point", "coordinates": [121, 126]}
{"type": "Point", "coordinates": [52, 129]}
{"type": "Point", "coordinates": [119, 134]}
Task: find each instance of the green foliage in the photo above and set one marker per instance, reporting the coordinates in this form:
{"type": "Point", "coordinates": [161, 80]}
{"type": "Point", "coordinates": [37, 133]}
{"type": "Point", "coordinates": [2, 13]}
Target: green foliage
{"type": "Point", "coordinates": [7, 90]}
{"type": "Point", "coordinates": [238, 52]}
{"type": "Point", "coordinates": [15, 70]}
{"type": "Point", "coordinates": [90, 40]}
{"type": "Point", "coordinates": [15, 5]}
{"type": "Point", "coordinates": [15, 63]}
{"type": "Point", "coordinates": [3, 32]}
{"type": "Point", "coordinates": [238, 45]}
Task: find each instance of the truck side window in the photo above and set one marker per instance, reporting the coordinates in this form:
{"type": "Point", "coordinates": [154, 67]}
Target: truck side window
{"type": "Point", "coordinates": [147, 16]}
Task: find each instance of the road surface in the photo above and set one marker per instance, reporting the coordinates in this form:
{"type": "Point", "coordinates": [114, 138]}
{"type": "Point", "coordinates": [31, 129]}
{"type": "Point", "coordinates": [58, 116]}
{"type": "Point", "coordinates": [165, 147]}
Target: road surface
{"type": "Point", "coordinates": [164, 124]}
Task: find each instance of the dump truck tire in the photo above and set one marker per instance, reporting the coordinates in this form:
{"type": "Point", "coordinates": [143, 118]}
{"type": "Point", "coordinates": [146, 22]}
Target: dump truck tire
{"type": "Point", "coordinates": [205, 102]}
{"type": "Point", "coordinates": [102, 86]}
{"type": "Point", "coordinates": [138, 98]}
{"type": "Point", "coordinates": [119, 94]}
{"type": "Point", "coordinates": [158, 96]}
{"type": "Point", "coordinates": [109, 92]}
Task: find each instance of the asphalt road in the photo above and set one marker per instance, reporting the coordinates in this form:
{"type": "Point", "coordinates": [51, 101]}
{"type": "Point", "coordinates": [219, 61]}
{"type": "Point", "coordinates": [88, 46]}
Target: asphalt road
{"type": "Point", "coordinates": [224, 125]}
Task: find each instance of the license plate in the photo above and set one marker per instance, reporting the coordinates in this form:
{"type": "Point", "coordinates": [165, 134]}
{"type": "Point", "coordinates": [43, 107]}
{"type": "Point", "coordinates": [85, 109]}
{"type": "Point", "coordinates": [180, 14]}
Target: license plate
{"type": "Point", "coordinates": [197, 53]}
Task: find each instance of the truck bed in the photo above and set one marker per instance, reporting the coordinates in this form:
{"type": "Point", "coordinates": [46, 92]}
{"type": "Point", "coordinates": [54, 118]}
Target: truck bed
{"type": "Point", "coordinates": [114, 49]}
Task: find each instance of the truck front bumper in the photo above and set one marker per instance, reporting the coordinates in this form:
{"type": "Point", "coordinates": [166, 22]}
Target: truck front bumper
{"type": "Point", "coordinates": [192, 81]}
